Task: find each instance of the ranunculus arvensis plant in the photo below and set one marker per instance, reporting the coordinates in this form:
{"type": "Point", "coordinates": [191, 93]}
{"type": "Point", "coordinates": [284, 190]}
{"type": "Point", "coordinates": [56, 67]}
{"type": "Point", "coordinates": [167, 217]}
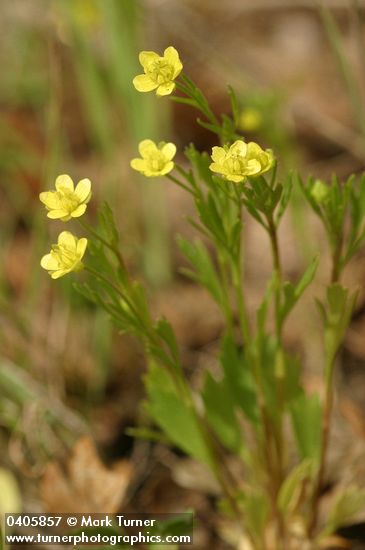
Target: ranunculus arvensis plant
{"type": "Point", "coordinates": [256, 408]}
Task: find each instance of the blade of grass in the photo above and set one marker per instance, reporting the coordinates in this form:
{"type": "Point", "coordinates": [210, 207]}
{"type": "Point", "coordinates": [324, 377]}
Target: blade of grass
{"type": "Point", "coordinates": [350, 81]}
{"type": "Point", "coordinates": [92, 87]}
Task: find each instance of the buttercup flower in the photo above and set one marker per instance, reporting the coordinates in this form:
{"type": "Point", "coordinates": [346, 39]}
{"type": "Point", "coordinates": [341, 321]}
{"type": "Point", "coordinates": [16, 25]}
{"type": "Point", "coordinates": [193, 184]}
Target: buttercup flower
{"type": "Point", "coordinates": [159, 71]}
{"type": "Point", "coordinates": [65, 256]}
{"type": "Point", "coordinates": [156, 159]}
{"type": "Point", "coordinates": [241, 160]}
{"type": "Point", "coordinates": [66, 202]}
{"type": "Point", "coordinates": [250, 119]}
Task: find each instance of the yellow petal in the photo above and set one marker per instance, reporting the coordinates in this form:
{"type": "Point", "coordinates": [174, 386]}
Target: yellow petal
{"type": "Point", "coordinates": [50, 199]}
{"type": "Point", "coordinates": [165, 89]}
{"type": "Point", "coordinates": [59, 273]}
{"type": "Point", "coordinates": [270, 159]}
{"type": "Point", "coordinates": [218, 154]}
{"type": "Point", "coordinates": [79, 211]}
{"type": "Point", "coordinates": [239, 147]}
{"type": "Point", "coordinates": [64, 182]}
{"type": "Point", "coordinates": [138, 164]}
{"type": "Point", "coordinates": [83, 189]}
{"type": "Point", "coordinates": [150, 174]}
{"type": "Point", "coordinates": [147, 147]}
{"type": "Point", "coordinates": [67, 239]}
{"type": "Point", "coordinates": [144, 83]}
{"type": "Point", "coordinates": [171, 55]}
{"type": "Point", "coordinates": [215, 167]}
{"type": "Point", "coordinates": [147, 58]}
{"type": "Point", "coordinates": [253, 167]}
{"type": "Point", "coordinates": [177, 69]}
{"type": "Point", "coordinates": [49, 262]}
{"type": "Point", "coordinates": [235, 179]}
{"type": "Point", "coordinates": [58, 214]}
{"type": "Point", "coordinates": [81, 247]}
{"type": "Point", "coordinates": [169, 166]}
{"type": "Point", "coordinates": [169, 151]}
{"type": "Point", "coordinates": [254, 150]}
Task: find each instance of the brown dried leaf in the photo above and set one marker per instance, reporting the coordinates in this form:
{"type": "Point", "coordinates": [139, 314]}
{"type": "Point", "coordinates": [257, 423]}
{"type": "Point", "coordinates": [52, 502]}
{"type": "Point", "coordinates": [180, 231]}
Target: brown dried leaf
{"type": "Point", "coordinates": [86, 485]}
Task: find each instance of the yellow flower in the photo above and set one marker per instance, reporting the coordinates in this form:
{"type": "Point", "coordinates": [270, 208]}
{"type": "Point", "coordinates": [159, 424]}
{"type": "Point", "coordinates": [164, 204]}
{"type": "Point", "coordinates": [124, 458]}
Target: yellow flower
{"type": "Point", "coordinates": [250, 119]}
{"type": "Point", "coordinates": [156, 159]}
{"type": "Point", "coordinates": [66, 202]}
{"type": "Point", "coordinates": [241, 160]}
{"type": "Point", "coordinates": [65, 256]}
{"type": "Point", "coordinates": [159, 71]}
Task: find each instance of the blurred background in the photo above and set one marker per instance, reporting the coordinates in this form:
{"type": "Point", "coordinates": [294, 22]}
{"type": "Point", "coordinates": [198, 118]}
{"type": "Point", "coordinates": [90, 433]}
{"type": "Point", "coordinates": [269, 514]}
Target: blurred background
{"type": "Point", "coordinates": [67, 105]}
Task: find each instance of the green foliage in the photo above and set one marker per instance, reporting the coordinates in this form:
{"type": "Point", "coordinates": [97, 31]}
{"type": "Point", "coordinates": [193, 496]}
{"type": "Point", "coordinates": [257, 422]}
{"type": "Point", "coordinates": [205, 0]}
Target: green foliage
{"type": "Point", "coordinates": [220, 412]}
{"type": "Point", "coordinates": [268, 201]}
{"type": "Point", "coordinates": [107, 224]}
{"type": "Point", "coordinates": [341, 208]}
{"type": "Point", "coordinates": [306, 413]}
{"type": "Point", "coordinates": [195, 98]}
{"type": "Point", "coordinates": [336, 315]}
{"type": "Point", "coordinates": [256, 510]}
{"type": "Point", "coordinates": [175, 417]}
{"type": "Point", "coordinates": [181, 524]}
{"type": "Point", "coordinates": [292, 489]}
{"type": "Point", "coordinates": [204, 270]}
{"type": "Point", "coordinates": [239, 379]}
{"type": "Point", "coordinates": [255, 406]}
{"type": "Point", "coordinates": [347, 505]}
{"type": "Point", "coordinates": [262, 197]}
{"type": "Point", "coordinates": [292, 293]}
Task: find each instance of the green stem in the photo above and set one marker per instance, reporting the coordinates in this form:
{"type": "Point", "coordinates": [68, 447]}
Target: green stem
{"type": "Point", "coordinates": [279, 366]}
{"type": "Point", "coordinates": [267, 443]}
{"type": "Point", "coordinates": [224, 276]}
{"type": "Point", "coordinates": [180, 184]}
{"type": "Point", "coordinates": [326, 430]}
{"type": "Point", "coordinates": [116, 289]}
{"type": "Point", "coordinates": [272, 230]}
{"type": "Point", "coordinates": [328, 403]}
{"type": "Point", "coordinates": [336, 260]}
{"type": "Point", "coordinates": [223, 475]}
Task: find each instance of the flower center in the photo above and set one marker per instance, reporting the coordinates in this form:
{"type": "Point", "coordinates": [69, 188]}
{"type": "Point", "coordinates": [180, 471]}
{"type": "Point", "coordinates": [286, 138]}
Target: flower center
{"type": "Point", "coordinates": [156, 162]}
{"type": "Point", "coordinates": [68, 200]}
{"type": "Point", "coordinates": [236, 164]}
{"type": "Point", "coordinates": [65, 256]}
{"type": "Point", "coordinates": [161, 71]}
